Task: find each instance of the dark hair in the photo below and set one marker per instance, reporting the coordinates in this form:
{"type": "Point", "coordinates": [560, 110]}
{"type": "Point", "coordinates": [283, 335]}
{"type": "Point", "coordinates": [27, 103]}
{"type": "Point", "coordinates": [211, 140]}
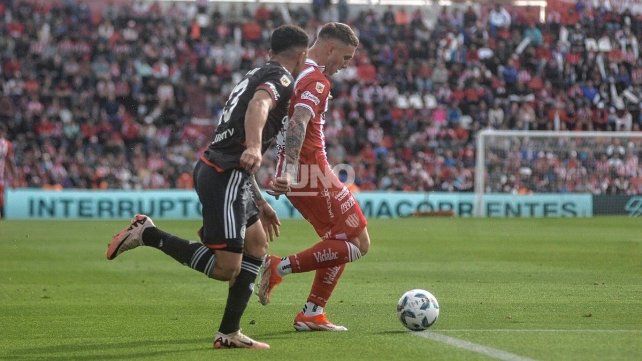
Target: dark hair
{"type": "Point", "coordinates": [339, 31]}
{"type": "Point", "coordinates": [287, 37]}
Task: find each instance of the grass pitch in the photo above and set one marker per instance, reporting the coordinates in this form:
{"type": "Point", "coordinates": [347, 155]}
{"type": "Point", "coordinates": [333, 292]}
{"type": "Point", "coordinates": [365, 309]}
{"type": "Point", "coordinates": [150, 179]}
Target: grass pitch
{"type": "Point", "coordinates": [556, 289]}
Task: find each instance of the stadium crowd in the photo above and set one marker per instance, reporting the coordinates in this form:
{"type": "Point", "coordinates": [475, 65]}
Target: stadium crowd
{"type": "Point", "coordinates": [128, 97]}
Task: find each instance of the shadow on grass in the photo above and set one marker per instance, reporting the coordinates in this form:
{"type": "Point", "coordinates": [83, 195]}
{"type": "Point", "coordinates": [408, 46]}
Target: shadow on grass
{"type": "Point", "coordinates": [104, 351]}
{"type": "Point", "coordinates": [274, 335]}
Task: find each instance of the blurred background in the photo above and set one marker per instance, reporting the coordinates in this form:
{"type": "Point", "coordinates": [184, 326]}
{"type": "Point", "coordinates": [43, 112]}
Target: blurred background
{"type": "Point", "coordinates": [125, 94]}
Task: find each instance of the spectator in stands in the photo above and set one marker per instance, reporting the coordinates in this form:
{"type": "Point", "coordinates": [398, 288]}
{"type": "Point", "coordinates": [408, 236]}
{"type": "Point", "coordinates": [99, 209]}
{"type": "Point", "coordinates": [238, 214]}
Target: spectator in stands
{"type": "Point", "coordinates": [123, 99]}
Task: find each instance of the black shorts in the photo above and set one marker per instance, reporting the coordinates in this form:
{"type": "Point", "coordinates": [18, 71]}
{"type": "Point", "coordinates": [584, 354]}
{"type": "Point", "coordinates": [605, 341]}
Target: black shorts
{"type": "Point", "coordinates": [228, 206]}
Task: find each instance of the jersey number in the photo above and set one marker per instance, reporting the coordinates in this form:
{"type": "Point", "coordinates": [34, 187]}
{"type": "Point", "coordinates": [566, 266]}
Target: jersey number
{"type": "Point", "coordinates": [238, 90]}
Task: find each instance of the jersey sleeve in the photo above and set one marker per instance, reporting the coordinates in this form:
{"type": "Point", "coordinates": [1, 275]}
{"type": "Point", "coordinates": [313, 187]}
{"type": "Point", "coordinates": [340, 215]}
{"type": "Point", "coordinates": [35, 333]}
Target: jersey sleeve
{"type": "Point", "coordinates": [312, 95]}
{"type": "Point", "coordinates": [278, 84]}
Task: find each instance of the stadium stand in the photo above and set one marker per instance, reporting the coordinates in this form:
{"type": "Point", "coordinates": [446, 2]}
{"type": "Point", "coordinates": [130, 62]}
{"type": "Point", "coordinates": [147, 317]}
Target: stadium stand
{"type": "Point", "coordinates": [127, 97]}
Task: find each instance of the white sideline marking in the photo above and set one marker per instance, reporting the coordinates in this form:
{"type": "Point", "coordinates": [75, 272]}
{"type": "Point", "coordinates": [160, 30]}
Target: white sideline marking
{"type": "Point", "coordinates": [466, 345]}
{"type": "Point", "coordinates": [539, 330]}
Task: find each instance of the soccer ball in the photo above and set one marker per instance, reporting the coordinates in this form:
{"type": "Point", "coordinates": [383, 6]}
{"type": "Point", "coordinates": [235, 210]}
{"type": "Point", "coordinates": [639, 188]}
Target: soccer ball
{"type": "Point", "coordinates": [417, 309]}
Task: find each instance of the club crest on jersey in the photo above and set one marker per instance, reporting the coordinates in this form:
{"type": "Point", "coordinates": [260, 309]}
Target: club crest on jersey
{"type": "Point", "coordinates": [285, 81]}
{"type": "Point", "coordinates": [320, 87]}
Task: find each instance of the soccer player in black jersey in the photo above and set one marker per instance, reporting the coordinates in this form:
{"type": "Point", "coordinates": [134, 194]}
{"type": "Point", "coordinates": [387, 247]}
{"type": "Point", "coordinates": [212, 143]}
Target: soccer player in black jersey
{"type": "Point", "coordinates": [236, 219]}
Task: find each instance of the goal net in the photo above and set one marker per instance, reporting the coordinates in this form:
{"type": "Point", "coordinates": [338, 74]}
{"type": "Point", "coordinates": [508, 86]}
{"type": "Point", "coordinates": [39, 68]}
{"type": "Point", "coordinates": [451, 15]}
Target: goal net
{"type": "Point", "coordinates": [554, 162]}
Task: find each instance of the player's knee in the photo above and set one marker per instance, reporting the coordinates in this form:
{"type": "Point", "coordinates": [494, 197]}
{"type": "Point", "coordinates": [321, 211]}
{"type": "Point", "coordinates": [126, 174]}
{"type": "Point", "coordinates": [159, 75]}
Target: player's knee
{"type": "Point", "coordinates": [256, 243]}
{"type": "Point", "coordinates": [256, 249]}
{"type": "Point", "coordinates": [364, 247]}
{"type": "Point", "coordinates": [224, 272]}
{"type": "Point", "coordinates": [363, 242]}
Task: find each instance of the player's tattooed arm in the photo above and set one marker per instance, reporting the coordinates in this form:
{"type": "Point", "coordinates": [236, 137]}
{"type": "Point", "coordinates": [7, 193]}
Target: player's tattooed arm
{"type": "Point", "coordinates": [296, 134]}
{"type": "Point", "coordinates": [294, 137]}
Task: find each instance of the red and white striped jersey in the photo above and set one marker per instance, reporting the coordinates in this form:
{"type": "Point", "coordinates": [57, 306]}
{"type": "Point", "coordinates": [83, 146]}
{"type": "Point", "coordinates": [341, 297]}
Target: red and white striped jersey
{"type": "Point", "coordinates": [312, 92]}
{"type": "Point", "coordinates": [6, 152]}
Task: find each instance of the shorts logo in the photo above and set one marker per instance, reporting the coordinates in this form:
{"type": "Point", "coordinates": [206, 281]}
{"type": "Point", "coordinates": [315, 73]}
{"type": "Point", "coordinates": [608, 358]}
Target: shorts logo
{"type": "Point", "coordinates": [309, 96]}
{"type": "Point", "coordinates": [285, 81]}
{"type": "Point", "coordinates": [319, 87]}
{"type": "Point", "coordinates": [243, 232]}
{"type": "Point", "coordinates": [352, 221]}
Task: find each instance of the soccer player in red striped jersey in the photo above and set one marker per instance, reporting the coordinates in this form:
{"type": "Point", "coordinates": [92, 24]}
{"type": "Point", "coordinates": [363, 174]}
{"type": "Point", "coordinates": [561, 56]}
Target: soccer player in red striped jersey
{"type": "Point", "coordinates": [7, 166]}
{"type": "Point", "coordinates": [304, 175]}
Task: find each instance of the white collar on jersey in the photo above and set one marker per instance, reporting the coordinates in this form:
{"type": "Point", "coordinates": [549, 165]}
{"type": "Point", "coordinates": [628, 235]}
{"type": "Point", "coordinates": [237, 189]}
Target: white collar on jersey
{"type": "Point", "coordinates": [314, 63]}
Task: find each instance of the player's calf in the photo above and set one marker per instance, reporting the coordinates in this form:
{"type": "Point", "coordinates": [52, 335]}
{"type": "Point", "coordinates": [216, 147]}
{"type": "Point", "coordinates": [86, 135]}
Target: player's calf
{"type": "Point", "coordinates": [143, 232]}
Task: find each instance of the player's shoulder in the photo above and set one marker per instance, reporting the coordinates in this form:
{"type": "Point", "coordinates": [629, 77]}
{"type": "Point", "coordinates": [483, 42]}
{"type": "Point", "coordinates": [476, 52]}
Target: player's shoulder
{"type": "Point", "coordinates": [312, 72]}
{"type": "Point", "coordinates": [277, 71]}
{"type": "Point", "coordinates": [313, 80]}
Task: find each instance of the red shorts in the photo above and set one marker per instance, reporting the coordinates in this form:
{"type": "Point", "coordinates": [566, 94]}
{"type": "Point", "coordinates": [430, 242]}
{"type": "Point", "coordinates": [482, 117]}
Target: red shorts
{"type": "Point", "coordinates": [328, 204]}
{"type": "Point", "coordinates": [1, 194]}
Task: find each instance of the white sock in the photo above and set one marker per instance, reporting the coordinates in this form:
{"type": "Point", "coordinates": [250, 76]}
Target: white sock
{"type": "Point", "coordinates": [312, 309]}
{"type": "Point", "coordinates": [284, 267]}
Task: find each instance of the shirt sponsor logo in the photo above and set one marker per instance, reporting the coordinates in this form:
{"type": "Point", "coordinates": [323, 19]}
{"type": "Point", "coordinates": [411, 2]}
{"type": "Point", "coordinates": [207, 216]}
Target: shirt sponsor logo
{"type": "Point", "coordinates": [319, 87]}
{"type": "Point", "coordinates": [344, 192]}
{"type": "Point", "coordinates": [285, 81]}
{"type": "Point", "coordinates": [224, 135]}
{"type": "Point", "coordinates": [345, 206]}
{"type": "Point", "coordinates": [328, 202]}
{"type": "Point", "coordinates": [311, 97]}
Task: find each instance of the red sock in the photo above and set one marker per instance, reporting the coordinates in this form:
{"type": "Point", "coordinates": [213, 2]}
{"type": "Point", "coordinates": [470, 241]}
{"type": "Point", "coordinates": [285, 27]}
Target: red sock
{"type": "Point", "coordinates": [325, 280]}
{"type": "Point", "coordinates": [325, 254]}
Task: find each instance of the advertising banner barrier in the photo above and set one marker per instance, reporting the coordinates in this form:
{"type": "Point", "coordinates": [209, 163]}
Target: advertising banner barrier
{"type": "Point", "coordinates": [184, 204]}
{"type": "Point", "coordinates": [618, 204]}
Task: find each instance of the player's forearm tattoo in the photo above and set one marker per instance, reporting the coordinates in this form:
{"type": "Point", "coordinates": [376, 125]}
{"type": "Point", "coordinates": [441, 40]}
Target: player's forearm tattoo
{"type": "Point", "coordinates": [256, 191]}
{"type": "Point", "coordinates": [295, 135]}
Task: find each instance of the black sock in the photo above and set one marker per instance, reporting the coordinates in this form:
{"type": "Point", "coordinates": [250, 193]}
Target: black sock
{"type": "Point", "coordinates": [239, 294]}
{"type": "Point", "coordinates": [192, 254]}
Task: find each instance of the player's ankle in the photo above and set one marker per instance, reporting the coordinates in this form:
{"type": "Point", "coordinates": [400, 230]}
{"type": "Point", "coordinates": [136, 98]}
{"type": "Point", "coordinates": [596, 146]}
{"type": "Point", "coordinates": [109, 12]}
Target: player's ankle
{"type": "Point", "coordinates": [312, 309]}
{"type": "Point", "coordinates": [284, 267]}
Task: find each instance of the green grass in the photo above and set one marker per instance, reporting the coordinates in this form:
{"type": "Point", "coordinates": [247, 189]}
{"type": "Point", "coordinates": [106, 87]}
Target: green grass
{"type": "Point", "coordinates": [560, 284]}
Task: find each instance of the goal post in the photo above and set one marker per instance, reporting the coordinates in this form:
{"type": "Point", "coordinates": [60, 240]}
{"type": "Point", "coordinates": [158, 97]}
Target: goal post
{"type": "Point", "coordinates": [556, 162]}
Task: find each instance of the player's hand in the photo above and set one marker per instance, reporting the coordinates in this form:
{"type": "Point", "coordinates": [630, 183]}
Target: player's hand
{"type": "Point", "coordinates": [270, 221]}
{"type": "Point", "coordinates": [281, 185]}
{"type": "Point", "coordinates": [251, 160]}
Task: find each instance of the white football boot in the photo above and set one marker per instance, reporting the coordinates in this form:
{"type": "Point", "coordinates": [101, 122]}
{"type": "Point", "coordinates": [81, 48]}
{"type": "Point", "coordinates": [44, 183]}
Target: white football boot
{"type": "Point", "coordinates": [237, 340]}
{"type": "Point", "coordinates": [130, 237]}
